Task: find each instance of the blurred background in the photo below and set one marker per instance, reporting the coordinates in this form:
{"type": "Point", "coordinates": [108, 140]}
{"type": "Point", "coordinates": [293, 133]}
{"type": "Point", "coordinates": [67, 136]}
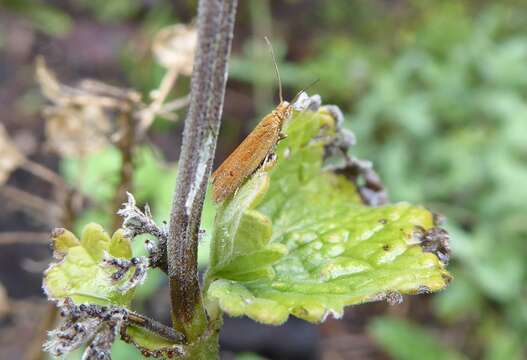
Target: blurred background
{"type": "Point", "coordinates": [435, 91]}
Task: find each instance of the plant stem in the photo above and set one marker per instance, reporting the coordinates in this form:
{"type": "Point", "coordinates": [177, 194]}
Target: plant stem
{"type": "Point", "coordinates": [215, 31]}
{"type": "Point", "coordinates": [126, 147]}
{"type": "Point", "coordinates": [155, 327]}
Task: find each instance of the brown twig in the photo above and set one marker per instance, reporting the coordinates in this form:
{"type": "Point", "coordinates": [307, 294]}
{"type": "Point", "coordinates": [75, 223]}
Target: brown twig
{"type": "Point", "coordinates": [148, 114]}
{"type": "Point", "coordinates": [69, 198]}
{"type": "Point", "coordinates": [126, 146]}
{"type": "Point", "coordinates": [209, 76]}
{"type": "Point", "coordinates": [167, 110]}
{"type": "Point", "coordinates": [23, 237]}
{"type": "Point", "coordinates": [41, 207]}
{"type": "Point", "coordinates": [45, 174]}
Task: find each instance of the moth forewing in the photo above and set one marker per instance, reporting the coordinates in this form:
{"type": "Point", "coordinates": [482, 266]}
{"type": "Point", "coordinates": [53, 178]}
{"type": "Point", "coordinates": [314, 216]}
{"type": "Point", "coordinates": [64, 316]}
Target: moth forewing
{"type": "Point", "coordinates": [250, 154]}
{"type": "Point", "coordinates": [257, 147]}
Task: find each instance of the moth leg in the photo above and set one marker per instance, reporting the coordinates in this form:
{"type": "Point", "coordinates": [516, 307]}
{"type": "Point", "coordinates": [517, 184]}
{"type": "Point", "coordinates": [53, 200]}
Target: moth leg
{"type": "Point", "coordinates": [281, 136]}
{"type": "Point", "coordinates": [269, 161]}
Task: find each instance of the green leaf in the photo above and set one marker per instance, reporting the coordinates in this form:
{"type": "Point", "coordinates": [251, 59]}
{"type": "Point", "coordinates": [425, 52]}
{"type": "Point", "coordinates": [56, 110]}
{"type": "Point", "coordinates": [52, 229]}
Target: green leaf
{"type": "Point", "coordinates": [79, 274]}
{"type": "Point", "coordinates": [120, 246]}
{"type": "Point", "coordinates": [402, 340]}
{"type": "Point", "coordinates": [297, 239]}
{"type": "Point", "coordinates": [231, 225]}
{"type": "Point", "coordinates": [144, 339]}
{"type": "Point", "coordinates": [116, 11]}
{"type": "Point", "coordinates": [44, 17]}
{"type": "Point", "coordinates": [122, 350]}
{"type": "Point", "coordinates": [504, 344]}
{"type": "Point", "coordinates": [63, 240]}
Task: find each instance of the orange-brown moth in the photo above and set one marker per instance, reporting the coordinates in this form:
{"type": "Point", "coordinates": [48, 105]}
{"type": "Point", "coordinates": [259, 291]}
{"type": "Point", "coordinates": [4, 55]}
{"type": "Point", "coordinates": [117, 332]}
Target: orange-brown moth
{"type": "Point", "coordinates": [256, 150]}
{"type": "Point", "coordinates": [253, 152]}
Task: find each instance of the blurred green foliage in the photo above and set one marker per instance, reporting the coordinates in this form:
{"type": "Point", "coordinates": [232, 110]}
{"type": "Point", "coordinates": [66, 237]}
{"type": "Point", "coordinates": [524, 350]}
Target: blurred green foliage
{"type": "Point", "coordinates": [115, 11]}
{"type": "Point", "coordinates": [44, 17]}
{"type": "Point", "coordinates": [408, 341]}
{"type": "Point", "coordinates": [445, 124]}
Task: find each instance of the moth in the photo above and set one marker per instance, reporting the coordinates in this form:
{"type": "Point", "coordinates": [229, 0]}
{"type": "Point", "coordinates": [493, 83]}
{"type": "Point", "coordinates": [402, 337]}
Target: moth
{"type": "Point", "coordinates": [256, 149]}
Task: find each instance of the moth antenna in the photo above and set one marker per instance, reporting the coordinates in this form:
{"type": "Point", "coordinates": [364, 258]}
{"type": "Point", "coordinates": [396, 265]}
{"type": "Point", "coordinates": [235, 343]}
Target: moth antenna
{"type": "Point", "coordinates": [304, 89]}
{"type": "Point", "coordinates": [276, 68]}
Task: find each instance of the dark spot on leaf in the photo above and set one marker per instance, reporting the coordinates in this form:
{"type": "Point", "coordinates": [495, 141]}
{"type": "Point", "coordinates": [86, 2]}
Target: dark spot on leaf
{"type": "Point", "coordinates": [418, 233]}
{"type": "Point", "coordinates": [436, 240]}
{"type": "Point", "coordinates": [383, 221]}
{"type": "Point", "coordinates": [393, 297]}
{"type": "Point", "coordinates": [360, 172]}
{"type": "Point", "coordinates": [386, 247]}
{"type": "Point", "coordinates": [301, 311]}
{"type": "Point", "coordinates": [447, 277]}
{"type": "Point", "coordinates": [423, 289]}
{"type": "Point", "coordinates": [57, 232]}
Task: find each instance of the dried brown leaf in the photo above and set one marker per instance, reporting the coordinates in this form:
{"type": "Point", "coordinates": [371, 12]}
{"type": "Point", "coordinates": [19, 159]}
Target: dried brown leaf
{"type": "Point", "coordinates": [4, 302]}
{"type": "Point", "coordinates": [174, 47]}
{"type": "Point", "coordinates": [10, 156]}
{"type": "Point", "coordinates": [82, 119]}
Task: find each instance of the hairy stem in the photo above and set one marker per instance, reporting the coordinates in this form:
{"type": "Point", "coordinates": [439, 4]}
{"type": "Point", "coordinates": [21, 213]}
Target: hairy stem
{"type": "Point", "coordinates": [155, 327]}
{"type": "Point", "coordinates": [215, 31]}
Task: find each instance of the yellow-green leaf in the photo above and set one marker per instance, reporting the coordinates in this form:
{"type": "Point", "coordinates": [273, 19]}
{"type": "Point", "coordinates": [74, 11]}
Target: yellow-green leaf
{"type": "Point", "coordinates": [330, 250]}
{"type": "Point", "coordinates": [79, 274]}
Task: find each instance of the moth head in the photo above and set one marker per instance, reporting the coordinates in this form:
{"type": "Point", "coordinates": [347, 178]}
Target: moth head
{"type": "Point", "coordinates": [284, 110]}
